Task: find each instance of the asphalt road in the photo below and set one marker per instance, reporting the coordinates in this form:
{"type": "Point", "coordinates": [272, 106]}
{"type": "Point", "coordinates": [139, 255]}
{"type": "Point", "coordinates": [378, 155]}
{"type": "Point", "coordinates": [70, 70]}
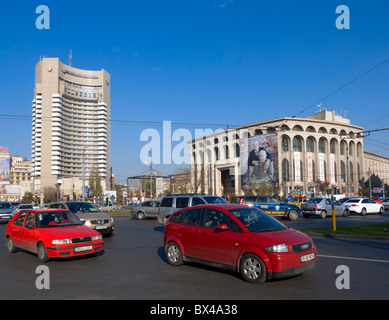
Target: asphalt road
{"type": "Point", "coordinates": [133, 266]}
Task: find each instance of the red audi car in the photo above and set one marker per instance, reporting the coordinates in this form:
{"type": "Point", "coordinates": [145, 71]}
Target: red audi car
{"type": "Point", "coordinates": [51, 234]}
{"type": "Point", "coordinates": [240, 238]}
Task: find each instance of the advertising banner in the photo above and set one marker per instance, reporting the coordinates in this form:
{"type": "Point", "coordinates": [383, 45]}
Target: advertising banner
{"type": "Point", "coordinates": [259, 159]}
{"type": "Point", "coordinates": [4, 169]}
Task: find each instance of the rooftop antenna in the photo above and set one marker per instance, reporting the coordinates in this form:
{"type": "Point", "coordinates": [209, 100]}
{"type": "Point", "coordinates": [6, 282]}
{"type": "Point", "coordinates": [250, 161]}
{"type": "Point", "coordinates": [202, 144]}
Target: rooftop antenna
{"type": "Point", "coordinates": [70, 58]}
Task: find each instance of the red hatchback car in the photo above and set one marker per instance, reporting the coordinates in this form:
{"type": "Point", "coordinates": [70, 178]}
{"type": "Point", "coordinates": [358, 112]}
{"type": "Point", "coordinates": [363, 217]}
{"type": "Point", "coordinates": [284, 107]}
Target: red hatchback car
{"type": "Point", "coordinates": [51, 234]}
{"type": "Point", "coordinates": [240, 238]}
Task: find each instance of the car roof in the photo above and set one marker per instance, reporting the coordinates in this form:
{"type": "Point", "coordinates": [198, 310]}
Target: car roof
{"type": "Point", "coordinates": [225, 206]}
{"type": "Point", "coordinates": [44, 210]}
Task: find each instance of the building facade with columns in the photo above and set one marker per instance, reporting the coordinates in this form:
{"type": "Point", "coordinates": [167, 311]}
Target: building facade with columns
{"type": "Point", "coordinates": [295, 156]}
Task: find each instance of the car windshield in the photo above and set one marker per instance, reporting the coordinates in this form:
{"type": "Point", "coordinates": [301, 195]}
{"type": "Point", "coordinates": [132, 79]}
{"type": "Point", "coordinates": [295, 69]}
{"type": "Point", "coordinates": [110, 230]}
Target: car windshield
{"type": "Point", "coordinates": [79, 207]}
{"type": "Point", "coordinates": [25, 206]}
{"type": "Point", "coordinates": [256, 220]}
{"type": "Point", "coordinates": [249, 199]}
{"type": "Point", "coordinates": [212, 200]}
{"type": "Point", "coordinates": [352, 201]}
{"type": "Point", "coordinates": [5, 205]}
{"type": "Point", "coordinates": [314, 200]}
{"type": "Point", "coordinates": [52, 219]}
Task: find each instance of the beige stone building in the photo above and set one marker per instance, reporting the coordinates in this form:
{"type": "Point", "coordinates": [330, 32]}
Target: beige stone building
{"type": "Point", "coordinates": [20, 171]}
{"type": "Point", "coordinates": [71, 126]}
{"type": "Point", "coordinates": [302, 154]}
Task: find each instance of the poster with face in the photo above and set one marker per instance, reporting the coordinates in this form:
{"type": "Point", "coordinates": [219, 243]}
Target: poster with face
{"type": "Point", "coordinates": [259, 159]}
{"type": "Point", "coordinates": [4, 170]}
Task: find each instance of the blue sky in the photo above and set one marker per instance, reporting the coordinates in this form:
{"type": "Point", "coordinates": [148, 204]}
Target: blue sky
{"type": "Point", "coordinates": [227, 62]}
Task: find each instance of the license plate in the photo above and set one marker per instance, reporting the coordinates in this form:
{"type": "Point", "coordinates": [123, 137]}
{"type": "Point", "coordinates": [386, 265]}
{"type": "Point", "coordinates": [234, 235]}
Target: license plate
{"type": "Point", "coordinates": [84, 248]}
{"type": "Point", "coordinates": [307, 257]}
{"type": "Point", "coordinates": [100, 227]}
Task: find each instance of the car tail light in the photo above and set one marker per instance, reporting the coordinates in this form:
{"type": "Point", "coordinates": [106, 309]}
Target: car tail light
{"type": "Point", "coordinates": [354, 205]}
{"type": "Point", "coordinates": [315, 206]}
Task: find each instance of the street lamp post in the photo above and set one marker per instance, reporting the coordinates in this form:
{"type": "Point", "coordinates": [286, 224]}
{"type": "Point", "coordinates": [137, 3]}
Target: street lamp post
{"type": "Point", "coordinates": [83, 174]}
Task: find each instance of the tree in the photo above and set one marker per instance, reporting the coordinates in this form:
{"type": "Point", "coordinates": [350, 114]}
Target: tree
{"type": "Point", "coordinates": [180, 181]}
{"type": "Point", "coordinates": [95, 188]}
{"type": "Point", "coordinates": [49, 195]}
{"type": "Point", "coordinates": [28, 197]}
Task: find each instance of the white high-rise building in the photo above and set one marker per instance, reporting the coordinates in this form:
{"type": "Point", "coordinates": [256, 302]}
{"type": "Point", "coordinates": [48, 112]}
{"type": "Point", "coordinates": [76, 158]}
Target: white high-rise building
{"type": "Point", "coordinates": [70, 127]}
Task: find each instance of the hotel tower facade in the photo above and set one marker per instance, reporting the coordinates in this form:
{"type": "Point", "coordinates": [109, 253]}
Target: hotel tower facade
{"type": "Point", "coordinates": [70, 127]}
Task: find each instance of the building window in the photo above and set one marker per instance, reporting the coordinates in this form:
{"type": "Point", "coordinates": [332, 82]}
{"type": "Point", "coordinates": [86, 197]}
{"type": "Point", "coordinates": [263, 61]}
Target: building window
{"type": "Point", "coordinates": [237, 150]}
{"type": "Point", "coordinates": [310, 145]}
{"type": "Point", "coordinates": [351, 172]}
{"type": "Point", "coordinates": [343, 146]}
{"type": "Point", "coordinates": [332, 147]}
{"type": "Point", "coordinates": [285, 170]}
{"type": "Point", "coordinates": [322, 146]}
{"type": "Point", "coordinates": [297, 145]}
{"type": "Point", "coordinates": [217, 154]}
{"type": "Point", "coordinates": [342, 171]}
{"type": "Point", "coordinates": [284, 144]}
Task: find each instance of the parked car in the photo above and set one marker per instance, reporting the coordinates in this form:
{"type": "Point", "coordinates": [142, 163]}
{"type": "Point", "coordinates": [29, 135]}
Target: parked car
{"type": "Point", "coordinates": [109, 207]}
{"type": "Point", "coordinates": [241, 238]}
{"type": "Point", "coordinates": [385, 203]}
{"type": "Point", "coordinates": [343, 200]}
{"type": "Point", "coordinates": [89, 214]}
{"type": "Point", "coordinates": [273, 206]}
{"type": "Point", "coordinates": [51, 234]}
{"type": "Point", "coordinates": [6, 210]}
{"type": "Point", "coordinates": [21, 207]}
{"type": "Point", "coordinates": [147, 209]}
{"type": "Point", "coordinates": [322, 207]}
{"type": "Point", "coordinates": [172, 203]}
{"type": "Point", "coordinates": [364, 206]}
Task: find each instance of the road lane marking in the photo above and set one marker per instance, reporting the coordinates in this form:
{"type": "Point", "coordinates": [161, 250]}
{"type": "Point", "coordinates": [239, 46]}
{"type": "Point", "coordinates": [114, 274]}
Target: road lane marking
{"type": "Point", "coordinates": [351, 258]}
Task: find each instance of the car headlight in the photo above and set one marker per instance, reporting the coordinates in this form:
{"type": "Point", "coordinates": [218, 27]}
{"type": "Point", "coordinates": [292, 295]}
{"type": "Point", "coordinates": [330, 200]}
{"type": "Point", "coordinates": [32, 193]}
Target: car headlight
{"type": "Point", "coordinates": [86, 222]}
{"type": "Point", "coordinates": [99, 237]}
{"type": "Point", "coordinates": [282, 247]}
{"type": "Point", "coordinates": [60, 241]}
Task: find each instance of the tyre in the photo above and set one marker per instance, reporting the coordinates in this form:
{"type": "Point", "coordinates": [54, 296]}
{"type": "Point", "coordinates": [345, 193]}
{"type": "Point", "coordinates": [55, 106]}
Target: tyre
{"type": "Point", "coordinates": [11, 245]}
{"type": "Point", "coordinates": [381, 210]}
{"type": "Point", "coordinates": [140, 215]}
{"type": "Point", "coordinates": [345, 213]}
{"type": "Point", "coordinates": [293, 215]}
{"type": "Point", "coordinates": [42, 253]}
{"type": "Point", "coordinates": [174, 254]}
{"type": "Point", "coordinates": [363, 212]}
{"type": "Point", "coordinates": [323, 214]}
{"type": "Point", "coordinates": [252, 269]}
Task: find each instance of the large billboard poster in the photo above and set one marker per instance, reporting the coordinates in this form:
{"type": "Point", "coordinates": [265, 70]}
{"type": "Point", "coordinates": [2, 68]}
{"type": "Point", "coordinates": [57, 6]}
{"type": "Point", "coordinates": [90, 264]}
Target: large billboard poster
{"type": "Point", "coordinates": [259, 160]}
{"type": "Point", "coordinates": [4, 169]}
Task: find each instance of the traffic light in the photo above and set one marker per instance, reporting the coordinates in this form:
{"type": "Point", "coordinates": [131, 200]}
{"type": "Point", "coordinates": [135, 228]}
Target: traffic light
{"type": "Point", "coordinates": [327, 183]}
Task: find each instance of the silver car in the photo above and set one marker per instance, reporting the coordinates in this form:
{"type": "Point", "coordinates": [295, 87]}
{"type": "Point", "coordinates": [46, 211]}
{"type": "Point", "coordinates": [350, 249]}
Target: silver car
{"type": "Point", "coordinates": [6, 210]}
{"type": "Point", "coordinates": [385, 203]}
{"type": "Point", "coordinates": [173, 203]}
{"type": "Point", "coordinates": [322, 207]}
{"type": "Point", "coordinates": [147, 209]}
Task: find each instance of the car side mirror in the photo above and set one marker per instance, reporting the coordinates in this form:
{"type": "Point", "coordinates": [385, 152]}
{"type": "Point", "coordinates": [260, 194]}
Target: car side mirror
{"type": "Point", "coordinates": [222, 227]}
